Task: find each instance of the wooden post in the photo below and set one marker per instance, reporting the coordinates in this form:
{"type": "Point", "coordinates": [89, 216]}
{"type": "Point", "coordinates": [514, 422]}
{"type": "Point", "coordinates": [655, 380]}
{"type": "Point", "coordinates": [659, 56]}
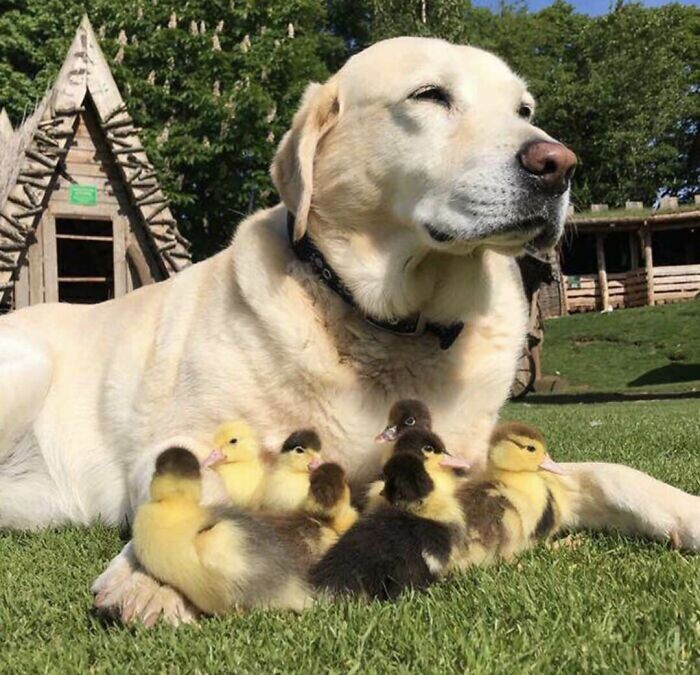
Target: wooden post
{"type": "Point", "coordinates": [645, 233]}
{"type": "Point", "coordinates": [602, 273]}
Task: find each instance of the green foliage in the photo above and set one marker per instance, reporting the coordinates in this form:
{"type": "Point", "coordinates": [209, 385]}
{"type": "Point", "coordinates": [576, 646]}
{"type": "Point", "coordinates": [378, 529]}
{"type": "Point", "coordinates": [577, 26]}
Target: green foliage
{"type": "Point", "coordinates": [620, 89]}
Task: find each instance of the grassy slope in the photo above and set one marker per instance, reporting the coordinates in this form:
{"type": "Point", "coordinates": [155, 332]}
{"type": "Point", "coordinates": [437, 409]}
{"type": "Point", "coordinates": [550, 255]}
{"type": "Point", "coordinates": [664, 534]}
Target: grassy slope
{"type": "Point", "coordinates": [650, 348]}
{"type": "Point", "coordinates": [614, 603]}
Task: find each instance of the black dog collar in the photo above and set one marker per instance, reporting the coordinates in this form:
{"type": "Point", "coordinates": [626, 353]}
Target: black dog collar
{"type": "Point", "coordinates": [307, 252]}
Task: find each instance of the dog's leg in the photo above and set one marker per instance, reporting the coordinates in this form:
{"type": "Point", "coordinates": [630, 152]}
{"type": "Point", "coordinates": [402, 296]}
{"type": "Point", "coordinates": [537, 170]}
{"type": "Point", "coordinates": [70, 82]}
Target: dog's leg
{"type": "Point", "coordinates": [25, 376]}
{"type": "Point", "coordinates": [125, 591]}
{"type": "Point", "coordinates": [617, 497]}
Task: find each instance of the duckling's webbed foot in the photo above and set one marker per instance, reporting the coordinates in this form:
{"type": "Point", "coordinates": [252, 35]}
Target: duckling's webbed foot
{"type": "Point", "coordinates": [124, 591]}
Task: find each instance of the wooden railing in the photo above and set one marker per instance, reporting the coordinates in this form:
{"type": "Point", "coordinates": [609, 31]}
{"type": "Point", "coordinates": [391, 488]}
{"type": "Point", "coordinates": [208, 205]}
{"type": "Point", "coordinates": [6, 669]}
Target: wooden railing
{"type": "Point", "coordinates": [629, 289]}
{"type": "Point", "coordinates": [676, 282]}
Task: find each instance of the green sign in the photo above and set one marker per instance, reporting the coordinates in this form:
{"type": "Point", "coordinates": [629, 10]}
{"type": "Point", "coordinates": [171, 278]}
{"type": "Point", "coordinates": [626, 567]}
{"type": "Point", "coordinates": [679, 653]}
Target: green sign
{"type": "Point", "coordinates": [85, 195]}
{"type": "Point", "coordinates": [574, 282]}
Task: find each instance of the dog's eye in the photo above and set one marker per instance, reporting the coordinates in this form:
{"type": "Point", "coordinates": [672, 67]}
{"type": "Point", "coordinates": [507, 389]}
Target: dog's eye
{"type": "Point", "coordinates": [233, 441]}
{"type": "Point", "coordinates": [432, 93]}
{"type": "Point", "coordinates": [525, 111]}
{"type": "Point", "coordinates": [410, 421]}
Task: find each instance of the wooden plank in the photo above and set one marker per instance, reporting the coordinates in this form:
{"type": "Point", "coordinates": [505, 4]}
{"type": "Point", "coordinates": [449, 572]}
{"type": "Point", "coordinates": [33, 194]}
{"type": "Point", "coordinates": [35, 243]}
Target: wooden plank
{"type": "Point", "coordinates": [65, 210]}
{"type": "Point", "coordinates": [35, 257]}
{"type": "Point", "coordinates": [120, 227]}
{"type": "Point", "coordinates": [22, 284]}
{"type": "Point", "coordinates": [648, 263]}
{"type": "Point", "coordinates": [676, 269]}
{"type": "Point", "coordinates": [82, 280]}
{"type": "Point", "coordinates": [680, 286]}
{"type": "Point", "coordinates": [63, 197]}
{"type": "Point", "coordinates": [89, 156]}
{"type": "Point", "coordinates": [74, 169]}
{"type": "Point", "coordinates": [84, 237]}
{"type": "Point", "coordinates": [48, 226]}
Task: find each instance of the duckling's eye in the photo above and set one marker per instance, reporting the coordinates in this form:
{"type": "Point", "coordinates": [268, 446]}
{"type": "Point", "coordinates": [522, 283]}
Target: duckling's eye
{"type": "Point", "coordinates": [299, 450]}
{"type": "Point", "coordinates": [531, 448]}
{"type": "Point", "coordinates": [428, 448]}
{"type": "Point", "coordinates": [233, 441]}
{"type": "Point", "coordinates": [410, 421]}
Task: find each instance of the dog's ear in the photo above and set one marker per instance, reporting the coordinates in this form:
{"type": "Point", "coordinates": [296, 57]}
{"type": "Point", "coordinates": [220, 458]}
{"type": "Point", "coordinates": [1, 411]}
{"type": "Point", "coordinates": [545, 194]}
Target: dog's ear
{"type": "Point", "coordinates": [293, 165]}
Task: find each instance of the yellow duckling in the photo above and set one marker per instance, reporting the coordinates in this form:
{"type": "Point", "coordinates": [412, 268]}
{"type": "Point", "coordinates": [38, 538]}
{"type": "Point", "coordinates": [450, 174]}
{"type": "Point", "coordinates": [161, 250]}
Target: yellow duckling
{"type": "Point", "coordinates": [519, 500]}
{"type": "Point", "coordinates": [286, 485]}
{"type": "Point", "coordinates": [221, 559]}
{"type": "Point", "coordinates": [237, 459]}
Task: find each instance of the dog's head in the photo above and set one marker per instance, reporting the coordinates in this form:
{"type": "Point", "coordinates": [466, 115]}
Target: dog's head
{"type": "Point", "coordinates": [423, 134]}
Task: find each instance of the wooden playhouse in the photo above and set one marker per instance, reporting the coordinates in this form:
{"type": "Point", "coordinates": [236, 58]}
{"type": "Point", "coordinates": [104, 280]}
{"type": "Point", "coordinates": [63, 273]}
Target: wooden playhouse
{"type": "Point", "coordinates": [82, 217]}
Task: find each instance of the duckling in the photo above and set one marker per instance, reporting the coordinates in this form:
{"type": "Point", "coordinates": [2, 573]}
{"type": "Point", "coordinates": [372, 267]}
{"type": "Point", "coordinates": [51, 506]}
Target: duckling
{"type": "Point", "coordinates": [518, 501]}
{"type": "Point", "coordinates": [329, 497]}
{"type": "Point", "coordinates": [325, 514]}
{"type": "Point", "coordinates": [221, 559]}
{"type": "Point", "coordinates": [432, 448]}
{"type": "Point", "coordinates": [237, 460]}
{"type": "Point", "coordinates": [408, 413]}
{"type": "Point", "coordinates": [395, 546]}
{"type": "Point", "coordinates": [286, 486]}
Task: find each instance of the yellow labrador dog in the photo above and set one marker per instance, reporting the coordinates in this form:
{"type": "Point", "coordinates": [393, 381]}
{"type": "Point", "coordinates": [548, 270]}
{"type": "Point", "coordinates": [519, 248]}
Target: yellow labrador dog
{"type": "Point", "coordinates": [409, 181]}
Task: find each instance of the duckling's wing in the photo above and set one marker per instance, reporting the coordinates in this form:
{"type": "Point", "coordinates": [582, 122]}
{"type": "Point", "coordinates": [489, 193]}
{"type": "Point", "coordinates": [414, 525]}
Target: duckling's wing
{"type": "Point", "coordinates": [221, 544]}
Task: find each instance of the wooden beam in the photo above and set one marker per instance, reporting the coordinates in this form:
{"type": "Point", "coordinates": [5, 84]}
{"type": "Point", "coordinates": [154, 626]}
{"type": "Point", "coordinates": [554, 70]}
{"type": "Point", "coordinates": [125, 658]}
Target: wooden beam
{"type": "Point", "coordinates": [645, 233]}
{"type": "Point", "coordinates": [602, 272]}
{"type": "Point", "coordinates": [139, 262]}
{"type": "Point", "coordinates": [48, 244]}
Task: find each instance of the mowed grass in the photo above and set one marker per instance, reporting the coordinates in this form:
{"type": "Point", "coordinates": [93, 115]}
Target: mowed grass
{"type": "Point", "coordinates": [611, 604]}
{"type": "Point", "coordinates": [647, 349]}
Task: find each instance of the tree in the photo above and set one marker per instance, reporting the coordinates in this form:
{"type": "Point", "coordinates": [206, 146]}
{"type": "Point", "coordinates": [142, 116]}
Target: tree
{"type": "Point", "coordinates": [213, 84]}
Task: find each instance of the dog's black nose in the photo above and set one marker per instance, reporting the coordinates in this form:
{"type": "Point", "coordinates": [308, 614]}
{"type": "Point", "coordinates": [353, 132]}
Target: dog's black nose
{"type": "Point", "coordinates": [551, 163]}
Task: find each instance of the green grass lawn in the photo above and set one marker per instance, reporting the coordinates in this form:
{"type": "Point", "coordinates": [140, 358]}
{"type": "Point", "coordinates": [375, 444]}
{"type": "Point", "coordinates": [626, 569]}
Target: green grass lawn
{"type": "Point", "coordinates": [612, 604]}
{"type": "Point", "coordinates": [646, 349]}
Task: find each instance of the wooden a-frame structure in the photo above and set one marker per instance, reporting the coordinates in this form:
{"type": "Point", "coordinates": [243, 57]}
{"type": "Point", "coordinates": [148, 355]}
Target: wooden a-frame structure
{"type": "Point", "coordinates": [82, 217]}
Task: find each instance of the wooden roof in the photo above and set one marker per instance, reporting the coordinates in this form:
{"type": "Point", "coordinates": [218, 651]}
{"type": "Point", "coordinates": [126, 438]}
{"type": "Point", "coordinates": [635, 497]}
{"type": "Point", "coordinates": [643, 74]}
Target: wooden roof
{"type": "Point", "coordinates": [666, 220]}
{"type": "Point", "coordinates": [35, 150]}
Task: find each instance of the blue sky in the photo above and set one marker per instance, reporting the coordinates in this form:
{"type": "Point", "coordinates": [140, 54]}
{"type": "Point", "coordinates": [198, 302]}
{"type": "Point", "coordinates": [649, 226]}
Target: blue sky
{"type": "Point", "coordinates": [592, 7]}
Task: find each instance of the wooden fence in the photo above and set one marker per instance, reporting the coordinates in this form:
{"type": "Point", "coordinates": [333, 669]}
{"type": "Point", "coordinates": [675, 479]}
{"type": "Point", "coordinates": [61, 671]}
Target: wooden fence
{"type": "Point", "coordinates": [629, 289]}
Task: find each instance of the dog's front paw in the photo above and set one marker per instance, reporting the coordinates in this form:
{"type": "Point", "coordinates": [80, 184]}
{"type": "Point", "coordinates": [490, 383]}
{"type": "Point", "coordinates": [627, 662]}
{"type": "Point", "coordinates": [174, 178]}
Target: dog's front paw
{"type": "Point", "coordinates": [125, 592]}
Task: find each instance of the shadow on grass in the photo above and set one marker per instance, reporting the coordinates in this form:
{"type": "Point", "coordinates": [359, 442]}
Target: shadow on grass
{"type": "Point", "coordinates": [672, 372]}
{"type": "Point", "coordinates": [608, 397]}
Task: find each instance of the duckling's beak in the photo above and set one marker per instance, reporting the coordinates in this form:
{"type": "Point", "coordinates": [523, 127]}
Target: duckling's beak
{"type": "Point", "coordinates": [451, 462]}
{"type": "Point", "coordinates": [389, 434]}
{"type": "Point", "coordinates": [550, 465]}
{"type": "Point", "coordinates": [215, 458]}
{"type": "Point", "coordinates": [315, 463]}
